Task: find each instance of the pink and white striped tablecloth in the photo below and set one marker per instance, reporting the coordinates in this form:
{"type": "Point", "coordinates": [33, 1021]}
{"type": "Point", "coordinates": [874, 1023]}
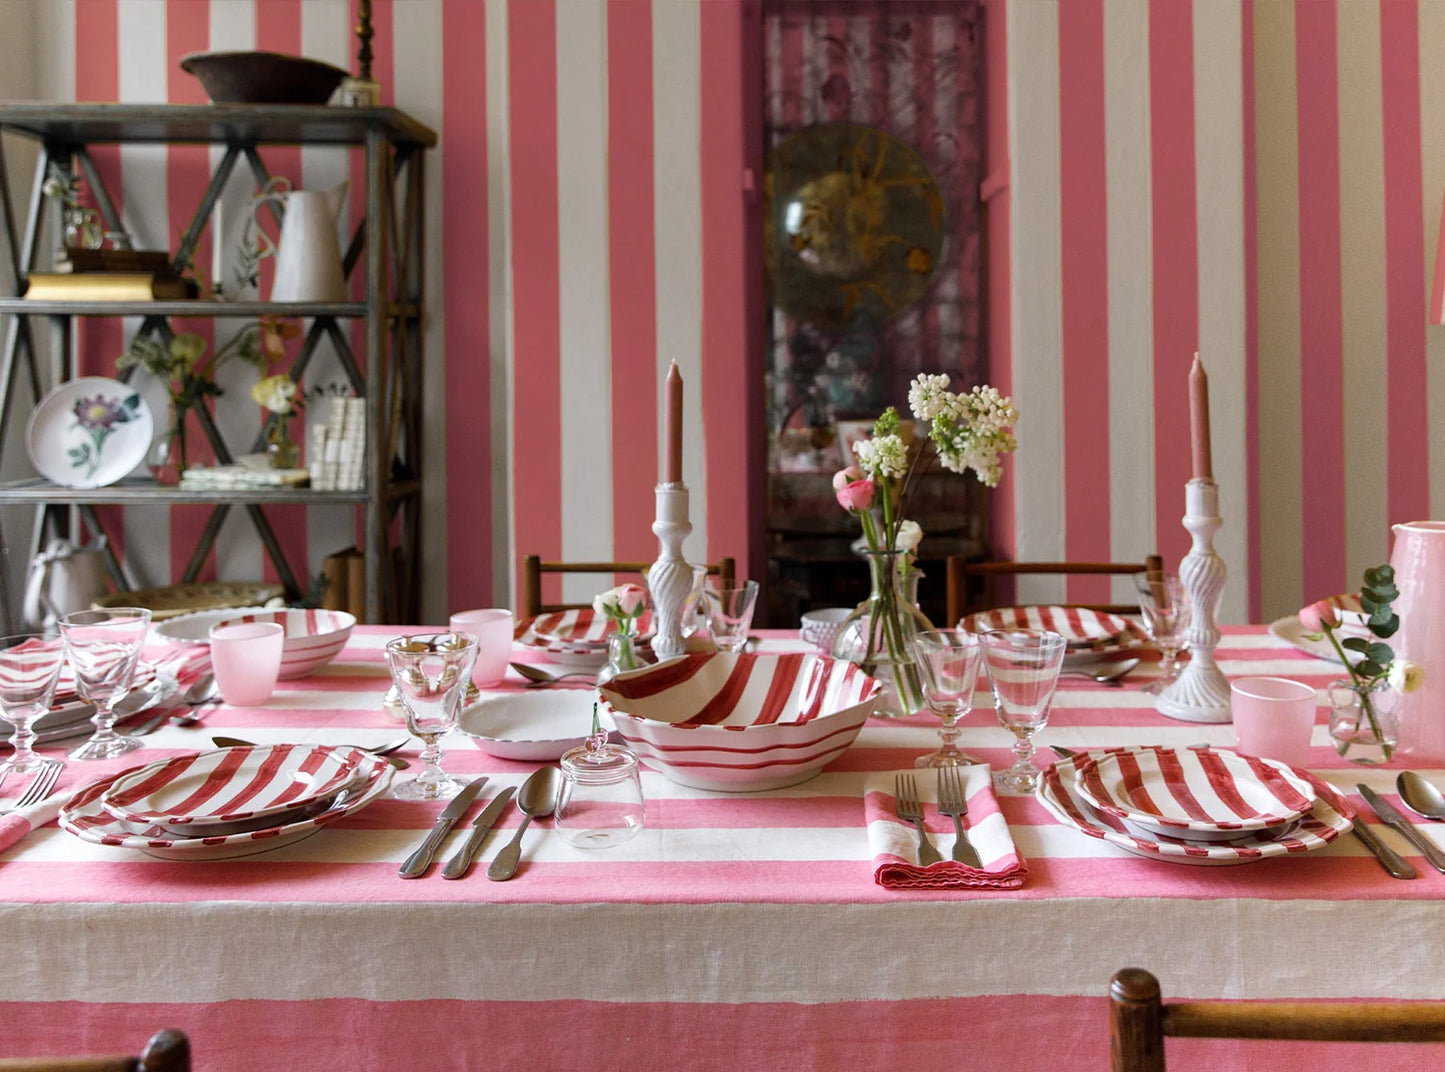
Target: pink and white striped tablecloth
{"type": "Point", "coordinates": [736, 932]}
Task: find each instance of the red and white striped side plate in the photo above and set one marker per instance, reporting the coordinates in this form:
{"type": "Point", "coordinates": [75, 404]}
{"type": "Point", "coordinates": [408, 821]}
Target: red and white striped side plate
{"type": "Point", "coordinates": [191, 794]}
{"type": "Point", "coordinates": [1080, 627]}
{"type": "Point", "coordinates": [1195, 793]}
{"type": "Point", "coordinates": [1330, 817]}
{"type": "Point", "coordinates": [85, 817]}
{"type": "Point", "coordinates": [584, 627]}
{"type": "Point", "coordinates": [741, 722]}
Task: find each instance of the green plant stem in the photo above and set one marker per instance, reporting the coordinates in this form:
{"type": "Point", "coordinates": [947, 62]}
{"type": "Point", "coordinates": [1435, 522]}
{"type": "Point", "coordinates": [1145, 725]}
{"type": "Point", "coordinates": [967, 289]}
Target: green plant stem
{"type": "Point", "coordinates": [1362, 687]}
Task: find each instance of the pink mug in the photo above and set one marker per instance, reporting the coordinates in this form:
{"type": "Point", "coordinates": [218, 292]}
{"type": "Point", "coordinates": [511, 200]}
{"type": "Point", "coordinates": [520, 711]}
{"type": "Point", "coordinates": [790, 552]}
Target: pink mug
{"type": "Point", "coordinates": [246, 659]}
{"type": "Point", "coordinates": [493, 629]}
{"type": "Point", "coordinates": [1273, 717]}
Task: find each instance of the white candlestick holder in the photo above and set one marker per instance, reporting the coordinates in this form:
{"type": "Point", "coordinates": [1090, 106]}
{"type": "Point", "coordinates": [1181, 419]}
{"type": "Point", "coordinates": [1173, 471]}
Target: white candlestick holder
{"type": "Point", "coordinates": [670, 579]}
{"type": "Point", "coordinates": [1201, 692]}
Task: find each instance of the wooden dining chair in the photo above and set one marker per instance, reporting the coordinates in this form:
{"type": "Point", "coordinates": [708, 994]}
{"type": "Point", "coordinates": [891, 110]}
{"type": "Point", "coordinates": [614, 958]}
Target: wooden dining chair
{"type": "Point", "coordinates": [533, 567]}
{"type": "Point", "coordinates": [966, 598]}
{"type": "Point", "coordinates": [1139, 1021]}
{"type": "Point", "coordinates": [167, 1051]}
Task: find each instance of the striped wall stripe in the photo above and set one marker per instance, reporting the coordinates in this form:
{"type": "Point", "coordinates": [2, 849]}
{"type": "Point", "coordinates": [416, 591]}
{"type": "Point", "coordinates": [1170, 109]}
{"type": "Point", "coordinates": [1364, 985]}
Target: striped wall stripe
{"type": "Point", "coordinates": [1130, 329]}
{"type": "Point", "coordinates": [587, 393]}
{"type": "Point", "coordinates": [467, 73]}
{"type": "Point", "coordinates": [1431, 28]}
{"type": "Point", "coordinates": [501, 475]}
{"type": "Point", "coordinates": [1363, 290]}
{"type": "Point", "coordinates": [1406, 373]}
{"type": "Point", "coordinates": [1281, 534]}
{"type": "Point", "coordinates": [723, 473]}
{"type": "Point", "coordinates": [632, 276]}
{"type": "Point", "coordinates": [1251, 311]}
{"type": "Point", "coordinates": [1084, 297]}
{"type": "Point", "coordinates": [1321, 355]}
{"type": "Point", "coordinates": [1174, 254]}
{"type": "Point", "coordinates": [1219, 214]}
{"type": "Point", "coordinates": [537, 462]}
{"type": "Point", "coordinates": [997, 195]}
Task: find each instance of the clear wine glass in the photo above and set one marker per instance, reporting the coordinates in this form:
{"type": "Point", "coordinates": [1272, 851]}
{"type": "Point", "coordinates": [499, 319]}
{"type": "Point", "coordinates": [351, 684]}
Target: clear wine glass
{"type": "Point", "coordinates": [431, 672]}
{"type": "Point", "coordinates": [30, 665]}
{"type": "Point", "coordinates": [1022, 667]}
{"type": "Point", "coordinates": [103, 647]}
{"type": "Point", "coordinates": [949, 661]}
{"type": "Point", "coordinates": [1165, 605]}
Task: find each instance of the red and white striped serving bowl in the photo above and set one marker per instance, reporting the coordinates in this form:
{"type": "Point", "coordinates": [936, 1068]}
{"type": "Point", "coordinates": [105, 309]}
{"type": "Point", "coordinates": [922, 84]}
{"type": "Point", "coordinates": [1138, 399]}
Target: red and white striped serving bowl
{"type": "Point", "coordinates": [313, 637]}
{"type": "Point", "coordinates": [741, 722]}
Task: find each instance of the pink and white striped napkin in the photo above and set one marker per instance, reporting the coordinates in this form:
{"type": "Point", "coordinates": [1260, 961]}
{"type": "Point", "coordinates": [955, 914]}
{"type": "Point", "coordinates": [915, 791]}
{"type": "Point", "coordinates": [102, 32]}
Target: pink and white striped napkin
{"type": "Point", "coordinates": [895, 842]}
{"type": "Point", "coordinates": [16, 824]}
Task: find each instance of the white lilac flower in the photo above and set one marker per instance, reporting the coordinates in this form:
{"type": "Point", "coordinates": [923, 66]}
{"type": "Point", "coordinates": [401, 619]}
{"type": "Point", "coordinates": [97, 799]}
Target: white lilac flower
{"type": "Point", "coordinates": [883, 457]}
{"type": "Point", "coordinates": [928, 396]}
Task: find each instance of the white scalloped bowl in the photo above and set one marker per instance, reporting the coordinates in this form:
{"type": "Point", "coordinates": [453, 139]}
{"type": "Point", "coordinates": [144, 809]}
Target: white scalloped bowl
{"type": "Point", "coordinates": [313, 637]}
{"type": "Point", "coordinates": [741, 722]}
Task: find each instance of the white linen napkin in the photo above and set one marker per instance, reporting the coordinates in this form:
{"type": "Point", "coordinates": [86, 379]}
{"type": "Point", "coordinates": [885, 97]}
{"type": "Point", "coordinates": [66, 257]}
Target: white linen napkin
{"type": "Point", "coordinates": [895, 842]}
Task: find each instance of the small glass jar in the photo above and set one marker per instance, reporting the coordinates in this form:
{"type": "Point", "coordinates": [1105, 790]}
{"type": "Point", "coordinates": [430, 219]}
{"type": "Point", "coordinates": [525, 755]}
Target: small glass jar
{"type": "Point", "coordinates": [600, 804]}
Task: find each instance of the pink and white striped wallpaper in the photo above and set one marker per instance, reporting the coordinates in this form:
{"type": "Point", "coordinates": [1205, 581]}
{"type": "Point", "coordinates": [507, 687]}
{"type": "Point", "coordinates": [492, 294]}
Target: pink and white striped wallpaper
{"type": "Point", "coordinates": [1258, 181]}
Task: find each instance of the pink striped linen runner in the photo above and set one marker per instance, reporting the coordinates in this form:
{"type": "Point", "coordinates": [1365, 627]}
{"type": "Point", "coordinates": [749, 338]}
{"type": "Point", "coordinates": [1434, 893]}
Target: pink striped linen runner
{"type": "Point", "coordinates": [894, 843]}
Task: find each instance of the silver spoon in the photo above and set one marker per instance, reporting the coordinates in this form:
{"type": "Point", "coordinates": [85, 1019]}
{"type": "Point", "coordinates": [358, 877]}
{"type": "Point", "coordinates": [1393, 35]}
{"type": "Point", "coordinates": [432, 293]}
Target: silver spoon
{"type": "Point", "coordinates": [1422, 796]}
{"type": "Point", "coordinates": [1109, 673]}
{"type": "Point", "coordinates": [537, 797]}
{"type": "Point", "coordinates": [202, 692]}
{"type": "Point", "coordinates": [535, 676]}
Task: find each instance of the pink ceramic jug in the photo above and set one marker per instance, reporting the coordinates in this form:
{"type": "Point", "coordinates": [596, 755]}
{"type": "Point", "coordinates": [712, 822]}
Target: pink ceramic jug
{"type": "Point", "coordinates": [1419, 563]}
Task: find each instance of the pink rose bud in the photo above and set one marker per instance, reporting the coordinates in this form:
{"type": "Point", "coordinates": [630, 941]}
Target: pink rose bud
{"type": "Point", "coordinates": [1316, 616]}
{"type": "Point", "coordinates": [856, 496]}
{"type": "Point", "coordinates": [630, 598]}
{"type": "Point", "coordinates": [843, 477]}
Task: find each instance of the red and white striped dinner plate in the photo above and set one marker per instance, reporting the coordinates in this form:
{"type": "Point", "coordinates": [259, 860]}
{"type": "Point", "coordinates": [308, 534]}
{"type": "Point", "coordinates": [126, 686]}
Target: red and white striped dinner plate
{"type": "Point", "coordinates": [584, 627]}
{"type": "Point", "coordinates": [1328, 819]}
{"type": "Point", "coordinates": [1195, 793]}
{"type": "Point", "coordinates": [193, 794]}
{"type": "Point", "coordinates": [85, 817]}
{"type": "Point", "coordinates": [1082, 628]}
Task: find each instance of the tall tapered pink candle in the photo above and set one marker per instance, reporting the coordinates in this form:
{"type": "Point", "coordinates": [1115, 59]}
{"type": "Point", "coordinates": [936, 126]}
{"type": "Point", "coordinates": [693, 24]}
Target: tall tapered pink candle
{"type": "Point", "coordinates": [672, 468]}
{"type": "Point", "coordinates": [1199, 421]}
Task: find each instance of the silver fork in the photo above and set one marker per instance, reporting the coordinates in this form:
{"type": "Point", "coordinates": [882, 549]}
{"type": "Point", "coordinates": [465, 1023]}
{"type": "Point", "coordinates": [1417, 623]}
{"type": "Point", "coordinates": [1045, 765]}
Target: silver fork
{"type": "Point", "coordinates": [951, 802]}
{"type": "Point", "coordinates": [40, 788]}
{"type": "Point", "coordinates": [905, 802]}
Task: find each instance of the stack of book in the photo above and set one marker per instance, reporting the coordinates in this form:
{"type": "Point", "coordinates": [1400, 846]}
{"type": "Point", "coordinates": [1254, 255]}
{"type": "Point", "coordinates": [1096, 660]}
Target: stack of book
{"type": "Point", "coordinates": [232, 477]}
{"type": "Point", "coordinates": [111, 275]}
{"type": "Point", "coordinates": [336, 450]}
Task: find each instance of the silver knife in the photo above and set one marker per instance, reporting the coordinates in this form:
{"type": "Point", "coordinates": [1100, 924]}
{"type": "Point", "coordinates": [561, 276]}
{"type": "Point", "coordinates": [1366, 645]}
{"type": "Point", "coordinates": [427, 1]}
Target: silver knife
{"type": "Point", "coordinates": [461, 861]}
{"type": "Point", "coordinates": [1388, 857]}
{"type": "Point", "coordinates": [417, 863]}
{"type": "Point", "coordinates": [1401, 825]}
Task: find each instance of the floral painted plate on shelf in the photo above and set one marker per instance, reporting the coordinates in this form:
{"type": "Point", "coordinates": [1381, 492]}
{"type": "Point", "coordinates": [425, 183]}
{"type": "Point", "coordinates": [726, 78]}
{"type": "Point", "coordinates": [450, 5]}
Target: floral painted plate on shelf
{"type": "Point", "coordinates": [89, 432]}
{"type": "Point", "coordinates": [1330, 817]}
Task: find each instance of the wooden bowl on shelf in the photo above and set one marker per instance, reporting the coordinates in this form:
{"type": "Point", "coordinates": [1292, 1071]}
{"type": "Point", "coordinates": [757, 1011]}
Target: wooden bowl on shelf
{"type": "Point", "coordinates": [262, 77]}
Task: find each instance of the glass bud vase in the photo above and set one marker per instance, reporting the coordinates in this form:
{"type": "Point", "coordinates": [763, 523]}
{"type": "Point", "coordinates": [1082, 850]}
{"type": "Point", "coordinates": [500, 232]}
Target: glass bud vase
{"type": "Point", "coordinates": [281, 449]}
{"type": "Point", "coordinates": [879, 634]}
{"type": "Point", "coordinates": [621, 656]}
{"type": "Point", "coordinates": [167, 458]}
{"type": "Point", "coordinates": [1357, 735]}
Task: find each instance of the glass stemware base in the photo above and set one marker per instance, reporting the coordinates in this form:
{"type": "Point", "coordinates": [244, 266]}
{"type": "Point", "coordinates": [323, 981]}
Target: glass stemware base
{"type": "Point", "coordinates": [105, 743]}
{"type": "Point", "coordinates": [1023, 776]}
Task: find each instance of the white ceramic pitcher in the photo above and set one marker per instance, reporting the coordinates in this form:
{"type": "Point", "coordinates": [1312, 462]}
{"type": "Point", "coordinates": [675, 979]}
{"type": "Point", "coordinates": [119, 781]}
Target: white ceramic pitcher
{"type": "Point", "coordinates": [308, 258]}
{"type": "Point", "coordinates": [1419, 563]}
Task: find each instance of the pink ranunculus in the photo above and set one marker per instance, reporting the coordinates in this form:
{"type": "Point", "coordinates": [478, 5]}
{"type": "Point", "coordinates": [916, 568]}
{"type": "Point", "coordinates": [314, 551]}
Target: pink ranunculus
{"type": "Point", "coordinates": [843, 477]}
{"type": "Point", "coordinates": [856, 496]}
{"type": "Point", "coordinates": [630, 598]}
{"type": "Point", "coordinates": [1317, 615]}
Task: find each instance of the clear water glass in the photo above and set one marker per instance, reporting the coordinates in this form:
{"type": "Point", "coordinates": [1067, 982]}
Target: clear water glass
{"type": "Point", "coordinates": [30, 665]}
{"type": "Point", "coordinates": [948, 661]}
{"type": "Point", "coordinates": [1022, 667]}
{"type": "Point", "coordinates": [431, 673]}
{"type": "Point", "coordinates": [730, 614]}
{"type": "Point", "coordinates": [1165, 604]}
{"type": "Point", "coordinates": [103, 647]}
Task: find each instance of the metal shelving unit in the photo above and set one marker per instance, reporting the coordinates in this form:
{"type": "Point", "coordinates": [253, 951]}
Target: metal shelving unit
{"type": "Point", "coordinates": [388, 374]}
